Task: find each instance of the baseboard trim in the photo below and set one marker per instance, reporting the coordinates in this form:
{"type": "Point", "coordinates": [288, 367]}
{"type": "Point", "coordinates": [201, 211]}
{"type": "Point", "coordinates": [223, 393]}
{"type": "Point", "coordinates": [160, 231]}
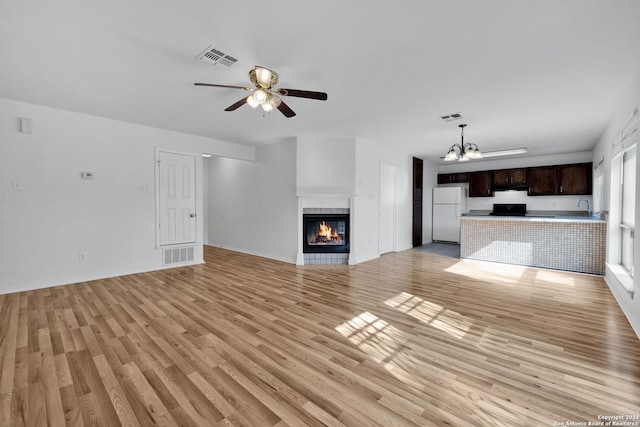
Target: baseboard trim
{"type": "Point", "coordinates": [7, 291]}
{"type": "Point", "coordinates": [623, 298]}
{"type": "Point", "coordinates": [254, 253]}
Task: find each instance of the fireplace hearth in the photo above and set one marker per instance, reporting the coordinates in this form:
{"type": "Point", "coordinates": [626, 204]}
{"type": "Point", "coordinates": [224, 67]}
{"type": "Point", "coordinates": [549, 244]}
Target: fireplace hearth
{"type": "Point", "coordinates": [325, 233]}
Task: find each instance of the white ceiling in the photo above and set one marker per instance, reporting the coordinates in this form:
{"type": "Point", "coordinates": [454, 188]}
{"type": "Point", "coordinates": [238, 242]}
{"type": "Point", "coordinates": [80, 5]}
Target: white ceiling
{"type": "Point", "coordinates": [545, 74]}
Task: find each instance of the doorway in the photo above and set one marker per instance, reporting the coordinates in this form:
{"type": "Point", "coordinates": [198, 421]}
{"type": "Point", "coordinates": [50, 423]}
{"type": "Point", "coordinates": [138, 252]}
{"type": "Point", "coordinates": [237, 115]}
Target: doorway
{"type": "Point", "coordinates": [388, 203]}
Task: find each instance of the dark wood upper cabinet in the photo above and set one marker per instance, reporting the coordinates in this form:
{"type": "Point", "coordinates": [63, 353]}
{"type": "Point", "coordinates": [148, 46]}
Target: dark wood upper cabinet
{"type": "Point", "coordinates": [543, 181]}
{"type": "Point", "coordinates": [575, 179]}
{"type": "Point", "coordinates": [453, 178]}
{"type": "Point", "coordinates": [480, 184]}
{"type": "Point", "coordinates": [506, 177]}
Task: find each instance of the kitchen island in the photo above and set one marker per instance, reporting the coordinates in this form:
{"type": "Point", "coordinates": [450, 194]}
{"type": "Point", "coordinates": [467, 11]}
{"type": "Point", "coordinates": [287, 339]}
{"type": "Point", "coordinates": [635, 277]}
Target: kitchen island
{"type": "Point", "coordinates": [571, 243]}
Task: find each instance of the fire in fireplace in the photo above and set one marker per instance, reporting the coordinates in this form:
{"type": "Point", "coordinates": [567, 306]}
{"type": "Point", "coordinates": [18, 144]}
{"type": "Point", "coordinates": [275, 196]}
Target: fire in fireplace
{"type": "Point", "coordinates": [323, 233]}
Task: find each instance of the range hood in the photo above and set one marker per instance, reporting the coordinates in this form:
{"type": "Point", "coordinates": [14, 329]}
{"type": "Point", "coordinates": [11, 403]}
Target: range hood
{"type": "Point", "coordinates": [511, 187]}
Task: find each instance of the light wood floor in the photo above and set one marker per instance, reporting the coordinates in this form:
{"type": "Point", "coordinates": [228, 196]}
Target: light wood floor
{"type": "Point", "coordinates": [409, 339]}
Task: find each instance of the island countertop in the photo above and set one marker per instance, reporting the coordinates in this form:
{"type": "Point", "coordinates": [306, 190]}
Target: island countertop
{"type": "Point", "coordinates": [535, 217]}
{"type": "Point", "coordinates": [573, 243]}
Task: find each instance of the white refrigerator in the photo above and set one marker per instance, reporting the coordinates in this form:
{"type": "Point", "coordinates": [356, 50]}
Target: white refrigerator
{"type": "Point", "coordinates": [448, 205]}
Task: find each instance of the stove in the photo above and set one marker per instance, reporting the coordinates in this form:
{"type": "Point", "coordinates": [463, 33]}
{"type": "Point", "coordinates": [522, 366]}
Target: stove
{"type": "Point", "coordinates": [509, 209]}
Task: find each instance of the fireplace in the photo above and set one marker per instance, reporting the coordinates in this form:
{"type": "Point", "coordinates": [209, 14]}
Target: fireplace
{"type": "Point", "coordinates": [325, 233]}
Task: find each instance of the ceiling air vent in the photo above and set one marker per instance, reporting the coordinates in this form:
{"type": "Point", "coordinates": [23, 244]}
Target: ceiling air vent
{"type": "Point", "coordinates": [216, 57]}
{"type": "Point", "coordinates": [451, 117]}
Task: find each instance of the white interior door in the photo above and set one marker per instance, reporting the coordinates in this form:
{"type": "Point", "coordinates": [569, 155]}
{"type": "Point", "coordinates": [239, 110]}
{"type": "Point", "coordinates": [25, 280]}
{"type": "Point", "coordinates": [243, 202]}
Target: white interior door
{"type": "Point", "coordinates": [387, 223]}
{"type": "Point", "coordinates": [176, 198]}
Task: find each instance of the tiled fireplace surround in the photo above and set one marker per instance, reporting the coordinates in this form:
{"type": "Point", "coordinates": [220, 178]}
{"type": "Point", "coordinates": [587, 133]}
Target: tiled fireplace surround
{"type": "Point", "coordinates": [325, 204]}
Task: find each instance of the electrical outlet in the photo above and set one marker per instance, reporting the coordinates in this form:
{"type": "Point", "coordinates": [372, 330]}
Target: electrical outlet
{"type": "Point", "coordinates": [144, 188]}
{"type": "Point", "coordinates": [82, 257]}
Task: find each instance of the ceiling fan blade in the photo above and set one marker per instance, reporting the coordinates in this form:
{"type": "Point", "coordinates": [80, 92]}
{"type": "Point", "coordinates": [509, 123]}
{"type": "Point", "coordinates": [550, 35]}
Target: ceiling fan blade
{"type": "Point", "coordinates": [284, 109]}
{"type": "Point", "coordinates": [303, 94]}
{"type": "Point", "coordinates": [237, 104]}
{"type": "Point", "coordinates": [227, 86]}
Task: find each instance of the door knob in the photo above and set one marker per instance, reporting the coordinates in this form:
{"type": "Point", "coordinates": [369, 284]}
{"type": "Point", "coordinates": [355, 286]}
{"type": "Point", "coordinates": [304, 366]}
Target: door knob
{"type": "Point", "coordinates": [192, 215]}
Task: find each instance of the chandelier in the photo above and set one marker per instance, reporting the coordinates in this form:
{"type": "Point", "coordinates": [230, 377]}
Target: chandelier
{"type": "Point", "coordinates": [463, 152]}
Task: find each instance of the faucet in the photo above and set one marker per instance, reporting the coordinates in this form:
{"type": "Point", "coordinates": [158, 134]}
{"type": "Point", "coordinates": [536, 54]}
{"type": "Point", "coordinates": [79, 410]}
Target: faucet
{"type": "Point", "coordinates": [588, 205]}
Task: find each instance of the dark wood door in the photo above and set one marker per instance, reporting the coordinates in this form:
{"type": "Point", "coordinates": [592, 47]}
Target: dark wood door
{"type": "Point", "coordinates": [452, 178]}
{"type": "Point", "coordinates": [518, 176]}
{"type": "Point", "coordinates": [575, 179]}
{"type": "Point", "coordinates": [542, 181]}
{"type": "Point", "coordinates": [444, 178]}
{"type": "Point", "coordinates": [417, 201]}
{"type": "Point", "coordinates": [480, 184]}
{"type": "Point", "coordinates": [501, 177]}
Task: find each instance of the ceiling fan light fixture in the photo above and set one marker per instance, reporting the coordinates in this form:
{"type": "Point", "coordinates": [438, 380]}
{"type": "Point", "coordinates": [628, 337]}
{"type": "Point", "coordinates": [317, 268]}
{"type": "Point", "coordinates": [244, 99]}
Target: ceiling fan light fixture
{"type": "Point", "coordinates": [274, 100]}
{"type": "Point", "coordinates": [264, 91]}
{"type": "Point", "coordinates": [267, 107]}
{"type": "Point", "coordinates": [252, 102]}
{"type": "Point", "coordinates": [263, 76]}
{"type": "Point", "coordinates": [260, 96]}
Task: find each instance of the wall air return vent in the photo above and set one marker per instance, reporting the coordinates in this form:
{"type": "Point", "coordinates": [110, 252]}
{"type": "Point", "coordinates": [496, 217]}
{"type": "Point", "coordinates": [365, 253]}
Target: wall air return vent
{"type": "Point", "coordinates": [451, 117]}
{"type": "Point", "coordinates": [178, 255]}
{"type": "Point", "coordinates": [216, 57]}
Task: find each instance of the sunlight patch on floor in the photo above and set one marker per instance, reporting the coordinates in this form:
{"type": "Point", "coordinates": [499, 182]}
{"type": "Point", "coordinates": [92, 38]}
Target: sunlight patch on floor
{"type": "Point", "coordinates": [497, 273]}
{"type": "Point", "coordinates": [387, 346]}
{"type": "Point", "coordinates": [555, 277]}
{"type": "Point", "coordinates": [449, 321]}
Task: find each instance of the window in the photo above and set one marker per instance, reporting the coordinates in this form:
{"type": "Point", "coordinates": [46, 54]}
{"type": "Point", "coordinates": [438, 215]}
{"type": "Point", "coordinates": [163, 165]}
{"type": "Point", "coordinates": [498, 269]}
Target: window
{"type": "Point", "coordinates": [627, 208]}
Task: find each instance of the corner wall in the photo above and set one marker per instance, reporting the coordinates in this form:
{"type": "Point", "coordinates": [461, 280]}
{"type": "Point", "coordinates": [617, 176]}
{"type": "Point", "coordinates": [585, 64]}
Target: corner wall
{"type": "Point", "coordinates": [369, 154]}
{"type": "Point", "coordinates": [252, 206]}
{"type": "Point", "coordinates": [603, 151]}
{"type": "Point", "coordinates": [57, 215]}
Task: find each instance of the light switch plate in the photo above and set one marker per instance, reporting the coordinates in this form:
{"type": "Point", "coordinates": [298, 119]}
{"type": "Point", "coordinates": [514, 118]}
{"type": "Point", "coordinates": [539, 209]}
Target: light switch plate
{"type": "Point", "coordinates": [26, 125]}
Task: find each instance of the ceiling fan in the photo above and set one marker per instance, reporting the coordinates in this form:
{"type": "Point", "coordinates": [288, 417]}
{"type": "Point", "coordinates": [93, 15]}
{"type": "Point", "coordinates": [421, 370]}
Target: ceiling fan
{"type": "Point", "coordinates": [265, 94]}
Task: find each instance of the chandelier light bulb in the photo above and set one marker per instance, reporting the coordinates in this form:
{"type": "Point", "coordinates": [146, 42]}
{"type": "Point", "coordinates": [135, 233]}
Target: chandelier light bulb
{"type": "Point", "coordinates": [451, 155]}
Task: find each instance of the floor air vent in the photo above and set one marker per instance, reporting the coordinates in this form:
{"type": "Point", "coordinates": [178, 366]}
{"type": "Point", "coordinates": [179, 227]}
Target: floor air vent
{"type": "Point", "coordinates": [178, 255]}
{"type": "Point", "coordinates": [216, 57]}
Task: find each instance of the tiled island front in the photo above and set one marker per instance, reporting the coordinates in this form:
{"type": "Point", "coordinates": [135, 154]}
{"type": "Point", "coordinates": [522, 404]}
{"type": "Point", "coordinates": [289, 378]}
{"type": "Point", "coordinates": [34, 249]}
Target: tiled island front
{"type": "Point", "coordinates": [563, 244]}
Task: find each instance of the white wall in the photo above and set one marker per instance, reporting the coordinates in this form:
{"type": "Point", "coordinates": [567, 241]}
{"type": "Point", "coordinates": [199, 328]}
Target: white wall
{"type": "Point", "coordinates": [630, 305]}
{"type": "Point", "coordinates": [430, 180]}
{"type": "Point", "coordinates": [541, 203]}
{"type": "Point", "coordinates": [326, 165]}
{"type": "Point", "coordinates": [58, 216]}
{"type": "Point", "coordinates": [252, 206]}
{"type": "Point", "coordinates": [369, 154]}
